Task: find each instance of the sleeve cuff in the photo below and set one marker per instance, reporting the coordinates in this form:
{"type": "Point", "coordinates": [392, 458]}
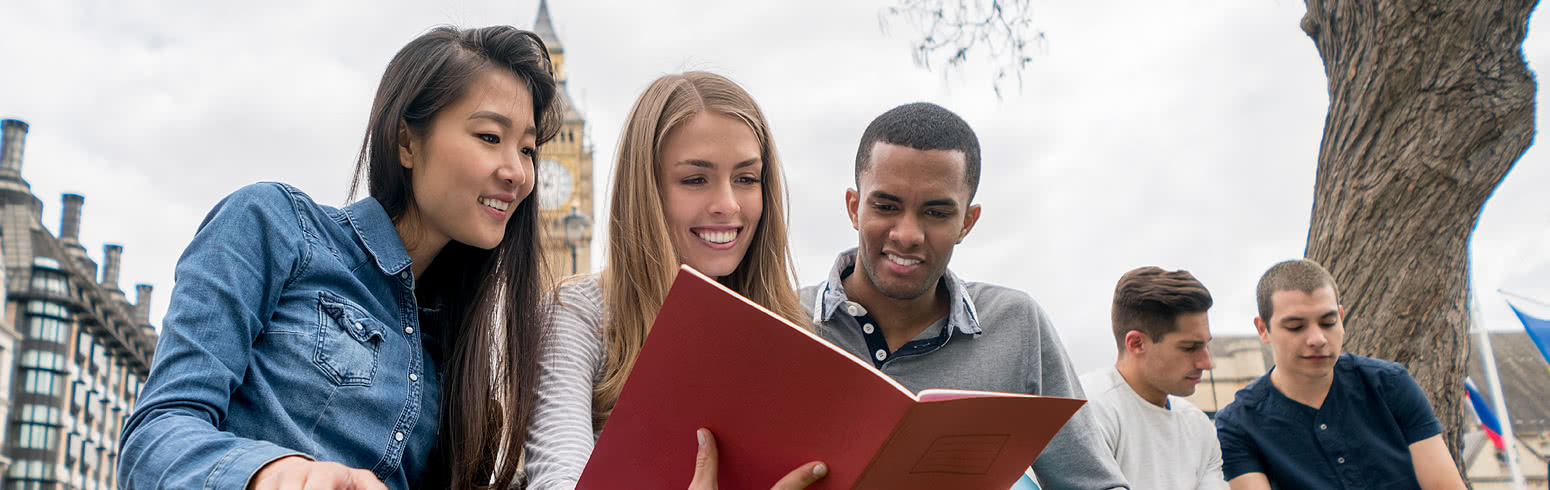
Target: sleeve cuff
{"type": "Point", "coordinates": [237, 467]}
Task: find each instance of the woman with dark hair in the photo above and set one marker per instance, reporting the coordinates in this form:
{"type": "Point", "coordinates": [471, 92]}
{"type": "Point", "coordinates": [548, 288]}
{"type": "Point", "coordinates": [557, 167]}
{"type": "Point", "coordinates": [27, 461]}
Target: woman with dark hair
{"type": "Point", "coordinates": [309, 346]}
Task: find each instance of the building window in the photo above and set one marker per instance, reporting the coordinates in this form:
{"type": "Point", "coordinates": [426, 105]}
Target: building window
{"type": "Point", "coordinates": [43, 360]}
{"type": "Point", "coordinates": [37, 427]}
{"type": "Point", "coordinates": [30, 474]}
{"type": "Point", "coordinates": [47, 328]}
{"type": "Point", "coordinates": [44, 382]}
{"type": "Point", "coordinates": [50, 281]}
{"type": "Point", "coordinates": [49, 308]}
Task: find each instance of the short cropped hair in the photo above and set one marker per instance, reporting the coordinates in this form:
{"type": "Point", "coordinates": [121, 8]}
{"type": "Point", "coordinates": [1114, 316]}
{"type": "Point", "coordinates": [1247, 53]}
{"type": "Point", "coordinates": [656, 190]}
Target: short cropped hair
{"type": "Point", "coordinates": [1150, 299]}
{"type": "Point", "coordinates": [1292, 275]}
{"type": "Point", "coordinates": [923, 126]}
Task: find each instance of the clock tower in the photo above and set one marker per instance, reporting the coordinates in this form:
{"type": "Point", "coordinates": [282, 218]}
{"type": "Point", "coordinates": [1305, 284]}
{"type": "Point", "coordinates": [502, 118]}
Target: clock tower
{"type": "Point", "coordinates": [564, 186]}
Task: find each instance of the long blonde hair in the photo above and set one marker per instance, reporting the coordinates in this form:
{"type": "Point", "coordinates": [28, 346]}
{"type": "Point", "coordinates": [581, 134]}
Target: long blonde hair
{"type": "Point", "coordinates": [641, 259]}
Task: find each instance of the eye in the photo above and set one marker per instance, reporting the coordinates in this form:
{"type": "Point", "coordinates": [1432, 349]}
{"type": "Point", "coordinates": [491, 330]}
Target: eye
{"type": "Point", "coordinates": [882, 206]}
{"type": "Point", "coordinates": [1293, 328]}
{"type": "Point", "coordinates": [490, 138]}
{"type": "Point", "coordinates": [937, 213]}
{"type": "Point", "coordinates": [695, 180]}
{"type": "Point", "coordinates": [529, 151]}
{"type": "Point", "coordinates": [748, 179]}
{"type": "Point", "coordinates": [1327, 325]}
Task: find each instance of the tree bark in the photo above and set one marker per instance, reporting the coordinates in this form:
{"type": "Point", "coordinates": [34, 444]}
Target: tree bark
{"type": "Point", "coordinates": [1430, 104]}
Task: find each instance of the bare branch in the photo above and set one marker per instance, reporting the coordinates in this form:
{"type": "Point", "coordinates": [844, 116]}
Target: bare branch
{"type": "Point", "coordinates": [953, 30]}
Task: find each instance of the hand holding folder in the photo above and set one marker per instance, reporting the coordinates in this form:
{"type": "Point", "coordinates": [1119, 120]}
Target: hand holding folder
{"type": "Point", "coordinates": [777, 396]}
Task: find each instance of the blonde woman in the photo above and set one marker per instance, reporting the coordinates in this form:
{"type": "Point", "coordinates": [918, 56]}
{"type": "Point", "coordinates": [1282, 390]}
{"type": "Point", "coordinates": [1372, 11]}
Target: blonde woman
{"type": "Point", "coordinates": [697, 182]}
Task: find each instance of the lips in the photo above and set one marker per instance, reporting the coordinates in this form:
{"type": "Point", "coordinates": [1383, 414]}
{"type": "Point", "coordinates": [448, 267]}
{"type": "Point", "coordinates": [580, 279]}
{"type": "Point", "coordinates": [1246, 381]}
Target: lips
{"type": "Point", "coordinates": [717, 237]}
{"type": "Point", "coordinates": [496, 204]}
{"type": "Point", "coordinates": [901, 264]}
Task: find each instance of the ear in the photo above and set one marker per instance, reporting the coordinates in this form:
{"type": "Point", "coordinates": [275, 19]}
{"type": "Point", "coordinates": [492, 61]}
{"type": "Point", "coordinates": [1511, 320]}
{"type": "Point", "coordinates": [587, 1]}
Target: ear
{"type": "Point", "coordinates": [408, 146]}
{"type": "Point", "coordinates": [852, 202]}
{"type": "Point", "coordinates": [970, 217]}
{"type": "Point", "coordinates": [1135, 343]}
{"type": "Point", "coordinates": [1341, 314]}
{"type": "Point", "coordinates": [1263, 329]}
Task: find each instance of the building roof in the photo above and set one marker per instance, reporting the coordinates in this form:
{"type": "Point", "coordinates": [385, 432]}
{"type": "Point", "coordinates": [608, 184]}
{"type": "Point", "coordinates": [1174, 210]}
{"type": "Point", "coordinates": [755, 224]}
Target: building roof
{"type": "Point", "coordinates": [544, 27]}
{"type": "Point", "coordinates": [1525, 378]}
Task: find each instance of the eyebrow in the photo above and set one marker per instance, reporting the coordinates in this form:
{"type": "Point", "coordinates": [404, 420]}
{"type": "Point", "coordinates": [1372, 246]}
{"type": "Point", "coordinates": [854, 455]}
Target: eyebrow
{"type": "Point", "coordinates": [707, 165]}
{"type": "Point", "coordinates": [1301, 319]}
{"type": "Point", "coordinates": [500, 119]}
{"type": "Point", "coordinates": [933, 202]}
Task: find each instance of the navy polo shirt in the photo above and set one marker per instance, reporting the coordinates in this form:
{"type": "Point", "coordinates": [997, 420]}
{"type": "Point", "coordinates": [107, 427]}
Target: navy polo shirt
{"type": "Point", "coordinates": [1359, 438]}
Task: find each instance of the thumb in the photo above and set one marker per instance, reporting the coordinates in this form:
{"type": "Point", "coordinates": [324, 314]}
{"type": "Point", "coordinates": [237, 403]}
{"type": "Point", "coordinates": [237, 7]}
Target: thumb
{"type": "Point", "coordinates": [802, 476]}
{"type": "Point", "coordinates": [704, 462]}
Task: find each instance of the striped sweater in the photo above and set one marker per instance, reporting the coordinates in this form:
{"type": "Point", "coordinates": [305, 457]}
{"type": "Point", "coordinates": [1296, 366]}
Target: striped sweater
{"type": "Point", "coordinates": [560, 436]}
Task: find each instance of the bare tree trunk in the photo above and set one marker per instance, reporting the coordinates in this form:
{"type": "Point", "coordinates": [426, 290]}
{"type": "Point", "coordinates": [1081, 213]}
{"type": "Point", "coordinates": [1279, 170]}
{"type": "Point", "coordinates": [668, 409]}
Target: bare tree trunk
{"type": "Point", "coordinates": [1430, 104]}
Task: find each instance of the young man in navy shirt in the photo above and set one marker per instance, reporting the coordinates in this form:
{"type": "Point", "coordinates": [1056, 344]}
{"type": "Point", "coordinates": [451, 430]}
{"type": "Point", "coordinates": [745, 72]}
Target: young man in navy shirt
{"type": "Point", "coordinates": [1322, 419]}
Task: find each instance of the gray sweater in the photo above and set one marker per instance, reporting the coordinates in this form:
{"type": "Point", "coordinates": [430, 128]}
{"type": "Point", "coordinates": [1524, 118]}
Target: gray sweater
{"type": "Point", "coordinates": [995, 339]}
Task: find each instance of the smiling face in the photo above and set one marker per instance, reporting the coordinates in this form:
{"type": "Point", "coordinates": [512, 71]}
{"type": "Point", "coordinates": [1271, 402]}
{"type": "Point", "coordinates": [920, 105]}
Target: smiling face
{"type": "Point", "coordinates": [911, 209]}
{"type": "Point", "coordinates": [711, 177]}
{"type": "Point", "coordinates": [472, 165]}
{"type": "Point", "coordinates": [1305, 332]}
{"type": "Point", "coordinates": [1174, 363]}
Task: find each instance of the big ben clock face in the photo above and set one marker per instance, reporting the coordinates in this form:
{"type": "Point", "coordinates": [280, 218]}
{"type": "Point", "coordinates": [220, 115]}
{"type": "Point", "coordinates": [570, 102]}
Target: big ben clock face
{"type": "Point", "coordinates": [554, 185]}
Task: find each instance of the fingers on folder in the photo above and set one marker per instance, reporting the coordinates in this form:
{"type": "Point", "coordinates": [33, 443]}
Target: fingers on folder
{"type": "Point", "coordinates": [705, 468]}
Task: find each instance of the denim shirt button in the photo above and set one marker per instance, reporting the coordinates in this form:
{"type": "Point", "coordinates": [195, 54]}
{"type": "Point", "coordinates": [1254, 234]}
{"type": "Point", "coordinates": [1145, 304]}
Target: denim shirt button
{"type": "Point", "coordinates": [406, 275]}
{"type": "Point", "coordinates": [414, 377]}
{"type": "Point", "coordinates": [409, 330]}
{"type": "Point", "coordinates": [1340, 460]}
{"type": "Point", "coordinates": [867, 328]}
{"type": "Point", "coordinates": [398, 436]}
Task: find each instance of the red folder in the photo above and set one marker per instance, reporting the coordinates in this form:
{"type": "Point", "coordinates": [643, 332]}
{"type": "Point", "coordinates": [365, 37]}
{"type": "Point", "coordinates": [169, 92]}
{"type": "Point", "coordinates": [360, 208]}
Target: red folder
{"type": "Point", "coordinates": [777, 396]}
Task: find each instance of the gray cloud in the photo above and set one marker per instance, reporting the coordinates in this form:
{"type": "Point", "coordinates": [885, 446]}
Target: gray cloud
{"type": "Point", "coordinates": [1179, 135]}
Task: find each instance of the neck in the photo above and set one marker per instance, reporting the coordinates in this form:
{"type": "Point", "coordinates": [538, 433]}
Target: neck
{"type": "Point", "coordinates": [421, 246]}
{"type": "Point", "coordinates": [1132, 373]}
{"type": "Point", "coordinates": [1306, 390]}
{"type": "Point", "coordinates": [899, 319]}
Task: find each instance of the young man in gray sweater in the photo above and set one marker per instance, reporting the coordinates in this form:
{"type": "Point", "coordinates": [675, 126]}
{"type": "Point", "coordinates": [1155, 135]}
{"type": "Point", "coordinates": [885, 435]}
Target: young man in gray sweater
{"type": "Point", "coordinates": [892, 300]}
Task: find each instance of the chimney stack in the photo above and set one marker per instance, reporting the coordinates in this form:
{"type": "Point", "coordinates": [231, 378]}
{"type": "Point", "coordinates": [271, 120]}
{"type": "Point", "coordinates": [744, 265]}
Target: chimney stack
{"type": "Point", "coordinates": [110, 257]}
{"type": "Point", "coordinates": [13, 137]}
{"type": "Point", "coordinates": [70, 217]}
{"type": "Point", "coordinates": [143, 304]}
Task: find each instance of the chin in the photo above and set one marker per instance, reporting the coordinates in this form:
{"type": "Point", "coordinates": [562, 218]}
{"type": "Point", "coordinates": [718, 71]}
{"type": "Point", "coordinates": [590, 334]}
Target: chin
{"type": "Point", "coordinates": [714, 269]}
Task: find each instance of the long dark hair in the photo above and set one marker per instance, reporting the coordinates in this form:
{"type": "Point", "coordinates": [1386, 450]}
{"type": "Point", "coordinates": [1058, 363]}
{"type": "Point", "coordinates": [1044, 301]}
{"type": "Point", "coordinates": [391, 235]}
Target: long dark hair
{"type": "Point", "coordinates": [489, 319]}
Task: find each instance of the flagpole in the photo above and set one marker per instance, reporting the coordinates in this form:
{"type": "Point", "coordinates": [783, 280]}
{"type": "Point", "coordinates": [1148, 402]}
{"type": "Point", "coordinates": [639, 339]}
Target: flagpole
{"type": "Point", "coordinates": [1488, 356]}
{"type": "Point", "coordinates": [1523, 298]}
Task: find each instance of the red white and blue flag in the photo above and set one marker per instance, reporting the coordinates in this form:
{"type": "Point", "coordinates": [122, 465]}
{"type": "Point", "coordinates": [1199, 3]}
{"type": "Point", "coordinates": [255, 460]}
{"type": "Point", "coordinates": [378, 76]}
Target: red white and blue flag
{"type": "Point", "coordinates": [1483, 413]}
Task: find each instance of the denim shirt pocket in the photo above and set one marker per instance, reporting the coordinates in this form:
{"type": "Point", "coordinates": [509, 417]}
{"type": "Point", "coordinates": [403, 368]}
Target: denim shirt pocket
{"type": "Point", "coordinates": [348, 341]}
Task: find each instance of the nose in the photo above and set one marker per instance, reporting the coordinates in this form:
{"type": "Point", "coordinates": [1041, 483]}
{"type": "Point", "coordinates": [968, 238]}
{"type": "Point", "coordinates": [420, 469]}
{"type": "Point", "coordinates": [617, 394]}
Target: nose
{"type": "Point", "coordinates": [907, 231]}
{"type": "Point", "coordinates": [1205, 363]}
{"type": "Point", "coordinates": [1316, 338]}
{"type": "Point", "coordinates": [516, 171]}
{"type": "Point", "coordinates": [723, 202]}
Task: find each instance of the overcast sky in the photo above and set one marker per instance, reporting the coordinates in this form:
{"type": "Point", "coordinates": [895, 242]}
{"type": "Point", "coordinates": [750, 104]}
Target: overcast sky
{"type": "Point", "coordinates": [1180, 134]}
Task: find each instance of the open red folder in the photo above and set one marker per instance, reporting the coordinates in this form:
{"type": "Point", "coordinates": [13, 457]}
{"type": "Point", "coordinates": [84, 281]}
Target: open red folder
{"type": "Point", "coordinates": [777, 396]}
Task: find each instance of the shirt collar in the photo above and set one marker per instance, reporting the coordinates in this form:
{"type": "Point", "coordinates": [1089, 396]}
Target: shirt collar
{"type": "Point", "coordinates": [376, 230]}
{"type": "Point", "coordinates": [831, 295]}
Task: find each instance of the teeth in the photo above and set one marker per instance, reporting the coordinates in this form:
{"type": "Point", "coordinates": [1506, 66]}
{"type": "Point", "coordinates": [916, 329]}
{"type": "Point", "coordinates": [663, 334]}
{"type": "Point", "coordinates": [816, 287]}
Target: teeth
{"type": "Point", "coordinates": [717, 236]}
{"type": "Point", "coordinates": [901, 260]}
{"type": "Point", "coordinates": [494, 203]}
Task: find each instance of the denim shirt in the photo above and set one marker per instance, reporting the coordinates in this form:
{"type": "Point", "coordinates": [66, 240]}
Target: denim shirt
{"type": "Point", "coordinates": [292, 330]}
